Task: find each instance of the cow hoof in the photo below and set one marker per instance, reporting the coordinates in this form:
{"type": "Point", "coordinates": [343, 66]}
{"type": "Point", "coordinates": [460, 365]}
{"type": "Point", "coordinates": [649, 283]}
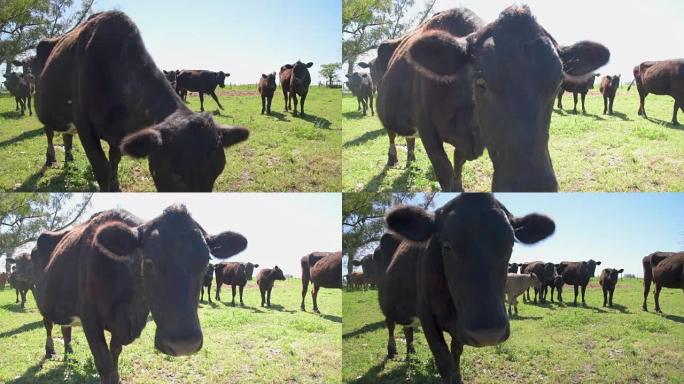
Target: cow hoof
{"type": "Point", "coordinates": [410, 349]}
{"type": "Point", "coordinates": [49, 353]}
{"type": "Point", "coordinates": [233, 304]}
{"type": "Point", "coordinates": [391, 160]}
{"type": "Point", "coordinates": [68, 157]}
{"type": "Point", "coordinates": [68, 349]}
{"type": "Point", "coordinates": [49, 162]}
{"type": "Point", "coordinates": [411, 157]}
{"type": "Point", "coordinates": [317, 311]}
{"type": "Point", "coordinates": [391, 353]}
{"type": "Point", "coordinates": [242, 304]}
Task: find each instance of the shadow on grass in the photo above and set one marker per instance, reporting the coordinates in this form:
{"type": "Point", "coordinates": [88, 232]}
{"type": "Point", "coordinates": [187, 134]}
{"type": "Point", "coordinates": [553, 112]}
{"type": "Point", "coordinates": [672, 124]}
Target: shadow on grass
{"type": "Point", "coordinates": [366, 328]}
{"type": "Point", "coordinates": [58, 374]}
{"type": "Point", "coordinates": [279, 116]}
{"type": "Point", "coordinates": [280, 308]}
{"type": "Point", "coordinates": [621, 116]}
{"type": "Point", "coordinates": [516, 316]}
{"type": "Point", "coordinates": [210, 303]}
{"type": "Point", "coordinates": [14, 307]}
{"type": "Point", "coordinates": [370, 135]}
{"type": "Point", "coordinates": [14, 115]}
{"type": "Point", "coordinates": [620, 308]}
{"type": "Point", "coordinates": [559, 112]}
{"type": "Point", "coordinates": [679, 319]}
{"type": "Point", "coordinates": [318, 122]}
{"type": "Point", "coordinates": [356, 115]}
{"type": "Point", "coordinates": [665, 123]}
{"type": "Point", "coordinates": [401, 373]}
{"type": "Point", "coordinates": [24, 328]}
{"type": "Point", "coordinates": [24, 136]}
{"type": "Point", "coordinates": [337, 319]}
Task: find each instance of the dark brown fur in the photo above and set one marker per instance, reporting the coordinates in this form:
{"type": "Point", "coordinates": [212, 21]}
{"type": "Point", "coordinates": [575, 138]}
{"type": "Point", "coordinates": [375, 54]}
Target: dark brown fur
{"type": "Point", "coordinates": [666, 270]}
{"type": "Point", "coordinates": [578, 274]}
{"type": "Point", "coordinates": [545, 272]}
{"type": "Point", "coordinates": [295, 80]}
{"type": "Point", "coordinates": [608, 279]}
{"type": "Point", "coordinates": [201, 81]}
{"type": "Point", "coordinates": [206, 282]}
{"type": "Point", "coordinates": [361, 86]}
{"type": "Point", "coordinates": [609, 86]}
{"type": "Point", "coordinates": [233, 274]}
{"type": "Point", "coordinates": [21, 86]}
{"type": "Point", "coordinates": [660, 78]}
{"type": "Point", "coordinates": [266, 88]}
{"type": "Point", "coordinates": [324, 270]}
{"type": "Point", "coordinates": [265, 280]}
{"type": "Point", "coordinates": [580, 84]}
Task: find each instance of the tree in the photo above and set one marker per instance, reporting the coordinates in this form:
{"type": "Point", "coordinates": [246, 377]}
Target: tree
{"type": "Point", "coordinates": [24, 216]}
{"type": "Point", "coordinates": [329, 71]}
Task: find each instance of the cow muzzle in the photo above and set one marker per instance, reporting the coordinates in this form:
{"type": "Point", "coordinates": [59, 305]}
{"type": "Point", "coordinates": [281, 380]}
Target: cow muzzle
{"type": "Point", "coordinates": [485, 330]}
{"type": "Point", "coordinates": [179, 344]}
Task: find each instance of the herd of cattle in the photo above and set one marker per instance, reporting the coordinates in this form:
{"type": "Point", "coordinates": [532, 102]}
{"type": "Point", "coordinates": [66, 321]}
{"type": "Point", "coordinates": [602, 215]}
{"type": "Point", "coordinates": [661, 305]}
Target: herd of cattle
{"type": "Point", "coordinates": [449, 272]}
{"type": "Point", "coordinates": [457, 80]}
{"type": "Point", "coordinates": [100, 78]}
{"type": "Point", "coordinates": [110, 272]}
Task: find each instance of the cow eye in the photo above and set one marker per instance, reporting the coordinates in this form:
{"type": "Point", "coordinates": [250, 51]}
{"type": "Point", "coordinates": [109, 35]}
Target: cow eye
{"type": "Point", "coordinates": [481, 84]}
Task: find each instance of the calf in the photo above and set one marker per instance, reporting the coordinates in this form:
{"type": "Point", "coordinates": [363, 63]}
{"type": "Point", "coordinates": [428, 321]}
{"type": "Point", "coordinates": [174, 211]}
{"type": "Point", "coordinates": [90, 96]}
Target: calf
{"type": "Point", "coordinates": [265, 280]}
{"type": "Point", "coordinates": [295, 80]}
{"type": "Point", "coordinates": [558, 286]}
{"type": "Point", "coordinates": [171, 77]}
{"type": "Point", "coordinates": [665, 269]}
{"type": "Point", "coordinates": [516, 285]}
{"type": "Point", "coordinates": [545, 272]}
{"type": "Point", "coordinates": [576, 84]}
{"type": "Point", "coordinates": [361, 86]}
{"type": "Point", "coordinates": [110, 272]}
{"type": "Point", "coordinates": [21, 278]}
{"type": "Point", "coordinates": [660, 78]}
{"type": "Point", "coordinates": [512, 267]}
{"type": "Point", "coordinates": [235, 275]}
{"type": "Point", "coordinates": [608, 279]}
{"type": "Point", "coordinates": [324, 270]}
{"type": "Point", "coordinates": [202, 82]}
{"type": "Point", "coordinates": [206, 282]}
{"type": "Point", "coordinates": [21, 87]}
{"type": "Point", "coordinates": [609, 86]}
{"type": "Point", "coordinates": [578, 274]}
{"type": "Point", "coordinates": [139, 114]}
{"type": "Point", "coordinates": [266, 87]}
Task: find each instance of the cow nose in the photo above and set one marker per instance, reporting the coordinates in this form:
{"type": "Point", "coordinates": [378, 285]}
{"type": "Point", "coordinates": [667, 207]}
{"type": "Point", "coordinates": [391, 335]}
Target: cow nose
{"type": "Point", "coordinates": [487, 333]}
{"type": "Point", "coordinates": [180, 345]}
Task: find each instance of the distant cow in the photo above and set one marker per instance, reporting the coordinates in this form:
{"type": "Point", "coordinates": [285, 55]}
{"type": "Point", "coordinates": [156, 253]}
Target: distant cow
{"type": "Point", "coordinates": [233, 274]}
{"type": "Point", "coordinates": [21, 277]}
{"type": "Point", "coordinates": [576, 84]}
{"type": "Point", "coordinates": [110, 272]}
{"type": "Point", "coordinates": [21, 87]}
{"type": "Point", "coordinates": [609, 86]}
{"type": "Point", "coordinates": [660, 78]}
{"type": "Point", "coordinates": [3, 279]}
{"type": "Point", "coordinates": [202, 82]}
{"type": "Point", "coordinates": [558, 286]}
{"type": "Point", "coordinates": [266, 88]}
{"type": "Point", "coordinates": [517, 284]}
{"type": "Point", "coordinates": [608, 279]}
{"type": "Point", "coordinates": [324, 270]}
{"type": "Point", "coordinates": [206, 282]}
{"type": "Point", "coordinates": [545, 272]}
{"type": "Point", "coordinates": [171, 77]}
{"type": "Point", "coordinates": [295, 80]}
{"type": "Point", "coordinates": [578, 274]}
{"type": "Point", "coordinates": [361, 86]}
{"type": "Point", "coordinates": [512, 267]}
{"type": "Point", "coordinates": [665, 269]}
{"type": "Point", "coordinates": [139, 114]}
{"type": "Point", "coordinates": [454, 76]}
{"type": "Point", "coordinates": [357, 280]}
{"type": "Point", "coordinates": [265, 279]}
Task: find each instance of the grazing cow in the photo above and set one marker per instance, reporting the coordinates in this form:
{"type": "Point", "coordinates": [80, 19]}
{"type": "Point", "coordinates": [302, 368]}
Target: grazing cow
{"type": "Point", "coordinates": [576, 84]}
{"type": "Point", "coordinates": [324, 270]}
{"type": "Point", "coordinates": [206, 282]}
{"type": "Point", "coordinates": [265, 280]}
{"type": "Point", "coordinates": [665, 269]}
{"type": "Point", "coordinates": [578, 273]}
{"type": "Point", "coordinates": [516, 285]}
{"type": "Point", "coordinates": [21, 278]}
{"type": "Point", "coordinates": [295, 80]}
{"type": "Point", "coordinates": [361, 86]}
{"type": "Point", "coordinates": [558, 286]}
{"type": "Point", "coordinates": [660, 78]}
{"type": "Point", "coordinates": [235, 275]}
{"type": "Point", "coordinates": [202, 82]}
{"type": "Point", "coordinates": [608, 279]}
{"type": "Point", "coordinates": [21, 86]}
{"type": "Point", "coordinates": [513, 267]}
{"type": "Point", "coordinates": [110, 272]}
{"type": "Point", "coordinates": [545, 272]}
{"type": "Point", "coordinates": [609, 86]}
{"type": "Point", "coordinates": [266, 87]}
{"type": "Point", "coordinates": [139, 115]}
{"type": "Point", "coordinates": [3, 279]}
{"type": "Point", "coordinates": [453, 78]}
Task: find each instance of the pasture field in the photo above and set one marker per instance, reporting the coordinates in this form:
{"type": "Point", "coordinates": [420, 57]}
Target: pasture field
{"type": "Point", "coordinates": [283, 153]}
{"type": "Point", "coordinates": [241, 344]}
{"type": "Point", "coordinates": [591, 152]}
{"type": "Point", "coordinates": [549, 343]}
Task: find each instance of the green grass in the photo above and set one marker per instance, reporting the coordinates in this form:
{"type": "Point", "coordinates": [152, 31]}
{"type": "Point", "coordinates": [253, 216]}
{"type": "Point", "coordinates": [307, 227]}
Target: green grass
{"type": "Point", "coordinates": [241, 344]}
{"type": "Point", "coordinates": [283, 153]}
{"type": "Point", "coordinates": [548, 344]}
{"type": "Point", "coordinates": [592, 152]}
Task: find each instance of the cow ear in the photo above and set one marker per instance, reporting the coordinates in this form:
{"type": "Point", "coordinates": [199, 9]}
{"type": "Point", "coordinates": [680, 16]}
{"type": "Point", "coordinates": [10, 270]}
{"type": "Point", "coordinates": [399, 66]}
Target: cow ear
{"type": "Point", "coordinates": [363, 64]}
{"type": "Point", "coordinates": [583, 57]}
{"type": "Point", "coordinates": [142, 143]}
{"type": "Point", "coordinates": [438, 56]}
{"type": "Point", "coordinates": [232, 135]}
{"type": "Point", "coordinates": [116, 240]}
{"type": "Point", "coordinates": [620, 270]}
{"type": "Point", "coordinates": [288, 66]}
{"type": "Point", "coordinates": [532, 228]}
{"type": "Point", "coordinates": [226, 244]}
{"type": "Point", "coordinates": [264, 75]}
{"type": "Point", "coordinates": [17, 63]}
{"type": "Point", "coordinates": [10, 260]}
{"type": "Point", "coordinates": [256, 265]}
{"type": "Point", "coordinates": [309, 64]}
{"type": "Point", "coordinates": [389, 243]}
{"type": "Point", "coordinates": [413, 223]}
{"type": "Point", "coordinates": [598, 263]}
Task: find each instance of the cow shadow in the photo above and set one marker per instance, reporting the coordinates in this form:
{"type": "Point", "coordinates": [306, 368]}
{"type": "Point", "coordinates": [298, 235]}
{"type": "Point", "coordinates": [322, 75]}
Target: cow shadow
{"type": "Point", "coordinates": [593, 116]}
{"type": "Point", "coordinates": [14, 307]}
{"type": "Point", "coordinates": [665, 123]}
{"type": "Point", "coordinates": [679, 319]}
{"type": "Point", "coordinates": [355, 115]}
{"type": "Point", "coordinates": [403, 372]}
{"type": "Point", "coordinates": [56, 182]}
{"type": "Point", "coordinates": [336, 319]}
{"type": "Point", "coordinates": [370, 135]}
{"type": "Point", "coordinates": [560, 112]}
{"type": "Point", "coordinates": [23, 136]}
{"type": "Point", "coordinates": [24, 328]}
{"type": "Point", "coordinates": [620, 308]}
{"type": "Point", "coordinates": [208, 303]}
{"type": "Point", "coordinates": [318, 122]}
{"type": "Point", "coordinates": [14, 115]}
{"type": "Point", "coordinates": [279, 116]}
{"type": "Point", "coordinates": [374, 183]}
{"type": "Point", "coordinates": [621, 116]}
{"type": "Point", "coordinates": [59, 374]}
{"type": "Point", "coordinates": [372, 327]}
{"type": "Point", "coordinates": [279, 308]}
{"type": "Point", "coordinates": [516, 316]}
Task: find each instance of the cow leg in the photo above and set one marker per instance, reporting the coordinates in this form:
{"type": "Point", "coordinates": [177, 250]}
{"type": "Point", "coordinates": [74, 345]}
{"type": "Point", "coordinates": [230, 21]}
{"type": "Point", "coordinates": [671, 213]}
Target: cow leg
{"type": "Point", "coordinates": [576, 292]}
{"type": "Point", "coordinates": [201, 97]}
{"type": "Point", "coordinates": [536, 291]}
{"type": "Point", "coordinates": [364, 103]}
{"type": "Point", "coordinates": [560, 100]}
{"type": "Point", "coordinates": [674, 113]}
{"type": "Point", "coordinates": [642, 105]}
{"type": "Point", "coordinates": [285, 98]}
{"type": "Point", "coordinates": [605, 104]}
{"type": "Point", "coordinates": [16, 291]}
{"type": "Point", "coordinates": [527, 292]}
{"type": "Point", "coordinates": [305, 287]}
{"type": "Point", "coordinates": [22, 105]}
{"type": "Point", "coordinates": [610, 100]}
{"type": "Point", "coordinates": [268, 299]}
{"type": "Point", "coordinates": [411, 149]}
{"type": "Point", "coordinates": [456, 351]}
{"type": "Point", "coordinates": [391, 342]}
{"type": "Point", "coordinates": [23, 298]}
{"type": "Point", "coordinates": [50, 153]}
{"type": "Point", "coordinates": [574, 98]}
{"type": "Point", "coordinates": [583, 96]}
{"type": "Point", "coordinates": [552, 288]}
{"type": "Point", "coordinates": [114, 158]}
{"type": "Point", "coordinates": [293, 97]}
{"type": "Point", "coordinates": [103, 358]}
{"type": "Point", "coordinates": [610, 301]}
{"type": "Point", "coordinates": [241, 289]}
{"type": "Point", "coordinates": [213, 96]}
{"type": "Point", "coordinates": [314, 295]}
{"type": "Point", "coordinates": [656, 296]}
{"type": "Point", "coordinates": [202, 294]}
{"type": "Point", "coordinates": [268, 105]}
{"type": "Point", "coordinates": [560, 297]}
{"type": "Point", "coordinates": [647, 287]}
{"type": "Point", "coordinates": [301, 106]}
{"type": "Point", "coordinates": [458, 172]}
{"type": "Point", "coordinates": [116, 348]}
{"type": "Point", "coordinates": [584, 288]}
{"type": "Point", "coordinates": [68, 145]}
{"type": "Point", "coordinates": [371, 105]}
{"type": "Point", "coordinates": [209, 292]}
{"type": "Point", "coordinates": [233, 289]}
{"type": "Point", "coordinates": [66, 335]}
{"type": "Point", "coordinates": [263, 296]}
{"type": "Point", "coordinates": [358, 103]}
{"type": "Point", "coordinates": [218, 290]}
{"type": "Point", "coordinates": [605, 297]}
{"type": "Point", "coordinates": [49, 343]}
{"type": "Point", "coordinates": [438, 157]}
{"type": "Point", "coordinates": [96, 156]}
{"type": "Point", "coordinates": [443, 357]}
{"type": "Point", "coordinates": [408, 335]}
{"type": "Point", "coordinates": [392, 152]}
{"type": "Point", "coordinates": [16, 101]}
{"type": "Point", "coordinates": [29, 105]}
{"type": "Point", "coordinates": [263, 104]}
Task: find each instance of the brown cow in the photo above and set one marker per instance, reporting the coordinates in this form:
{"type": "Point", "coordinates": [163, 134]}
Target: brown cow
{"type": "Point", "coordinates": [660, 78]}
{"type": "Point", "coordinates": [609, 86]}
{"type": "Point", "coordinates": [357, 280]}
{"type": "Point", "coordinates": [295, 80]}
{"type": "Point", "coordinates": [201, 81]}
{"type": "Point", "coordinates": [21, 86]}
{"type": "Point", "coordinates": [578, 274]}
{"type": "Point", "coordinates": [3, 279]}
{"type": "Point", "coordinates": [21, 278]}
{"type": "Point", "coordinates": [138, 115]}
{"type": "Point", "coordinates": [545, 272]}
{"type": "Point", "coordinates": [608, 279]}
{"type": "Point", "coordinates": [110, 272]}
{"type": "Point", "coordinates": [206, 282]}
{"type": "Point", "coordinates": [453, 77]}
{"type": "Point", "coordinates": [324, 270]}
{"type": "Point", "coordinates": [576, 84]}
{"type": "Point", "coordinates": [558, 286]}
{"type": "Point", "coordinates": [266, 88]}
{"type": "Point", "coordinates": [361, 86]}
{"type": "Point", "coordinates": [665, 269]}
{"type": "Point", "coordinates": [265, 280]}
{"type": "Point", "coordinates": [234, 274]}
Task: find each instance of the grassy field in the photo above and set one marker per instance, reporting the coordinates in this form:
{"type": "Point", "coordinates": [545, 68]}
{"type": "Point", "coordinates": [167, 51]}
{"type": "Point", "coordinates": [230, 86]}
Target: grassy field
{"type": "Point", "coordinates": [241, 344]}
{"type": "Point", "coordinates": [549, 343]}
{"type": "Point", "coordinates": [283, 153]}
{"type": "Point", "coordinates": [592, 152]}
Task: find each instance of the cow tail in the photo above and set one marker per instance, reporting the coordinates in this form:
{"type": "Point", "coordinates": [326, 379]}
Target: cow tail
{"type": "Point", "coordinates": [630, 84]}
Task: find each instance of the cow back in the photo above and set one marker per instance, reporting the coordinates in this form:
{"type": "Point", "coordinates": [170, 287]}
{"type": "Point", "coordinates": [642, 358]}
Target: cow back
{"type": "Point", "coordinates": [668, 269]}
{"type": "Point", "coordinates": [326, 269]}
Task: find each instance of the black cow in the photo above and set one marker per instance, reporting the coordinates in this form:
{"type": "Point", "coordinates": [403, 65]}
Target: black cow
{"type": "Point", "coordinates": [266, 88]}
{"type": "Point", "coordinates": [576, 84]}
{"type": "Point", "coordinates": [206, 282]}
{"type": "Point", "coordinates": [234, 274]}
{"type": "Point", "coordinates": [608, 280]}
{"type": "Point", "coordinates": [361, 86]}
{"type": "Point", "coordinates": [202, 82]}
{"type": "Point", "coordinates": [295, 80]}
{"type": "Point", "coordinates": [20, 86]}
{"type": "Point", "coordinates": [578, 274]}
{"type": "Point", "coordinates": [666, 270]}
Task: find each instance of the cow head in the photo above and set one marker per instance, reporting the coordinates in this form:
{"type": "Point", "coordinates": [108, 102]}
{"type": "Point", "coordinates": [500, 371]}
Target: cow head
{"type": "Point", "coordinates": [173, 251]}
{"type": "Point", "coordinates": [535, 280]}
{"type": "Point", "coordinates": [471, 238]}
{"type": "Point", "coordinates": [270, 80]}
{"type": "Point", "coordinates": [355, 80]}
{"type": "Point", "coordinates": [277, 273]}
{"type": "Point", "coordinates": [549, 273]}
{"type": "Point", "coordinates": [170, 76]}
{"type": "Point", "coordinates": [513, 268]}
{"type": "Point", "coordinates": [249, 269]}
{"type": "Point", "coordinates": [23, 269]}
{"type": "Point", "coordinates": [613, 274]}
{"type": "Point", "coordinates": [375, 73]}
{"type": "Point", "coordinates": [590, 266]}
{"type": "Point", "coordinates": [516, 69]}
{"type": "Point", "coordinates": [614, 81]}
{"type": "Point", "coordinates": [301, 79]}
{"type": "Point", "coordinates": [185, 151]}
{"type": "Point", "coordinates": [208, 275]}
{"type": "Point", "coordinates": [221, 78]}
